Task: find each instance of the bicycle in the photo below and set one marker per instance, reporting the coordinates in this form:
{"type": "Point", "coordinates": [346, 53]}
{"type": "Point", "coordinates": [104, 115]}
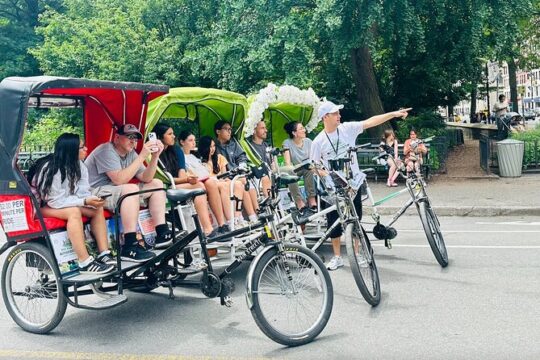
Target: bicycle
{"type": "Point", "coordinates": [416, 187]}
{"type": "Point", "coordinates": [359, 251]}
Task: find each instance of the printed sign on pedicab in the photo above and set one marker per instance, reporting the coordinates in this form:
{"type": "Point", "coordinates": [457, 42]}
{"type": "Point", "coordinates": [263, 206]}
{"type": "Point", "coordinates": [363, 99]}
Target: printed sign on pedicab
{"type": "Point", "coordinates": [13, 215]}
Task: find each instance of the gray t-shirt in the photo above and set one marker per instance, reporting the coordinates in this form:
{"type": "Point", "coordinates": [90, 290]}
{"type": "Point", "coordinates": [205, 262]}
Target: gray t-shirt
{"type": "Point", "coordinates": [104, 158]}
{"type": "Point", "coordinates": [298, 154]}
{"type": "Point", "coordinates": [260, 149]}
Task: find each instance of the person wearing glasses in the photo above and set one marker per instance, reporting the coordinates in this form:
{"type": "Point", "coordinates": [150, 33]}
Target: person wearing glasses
{"type": "Point", "coordinates": [60, 183]}
{"type": "Point", "coordinates": [111, 168]}
{"type": "Point", "coordinates": [227, 146]}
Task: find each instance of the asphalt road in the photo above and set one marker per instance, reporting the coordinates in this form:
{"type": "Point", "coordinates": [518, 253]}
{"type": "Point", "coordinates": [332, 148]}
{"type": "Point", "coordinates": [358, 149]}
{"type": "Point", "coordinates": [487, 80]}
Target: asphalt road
{"type": "Point", "coordinates": [484, 305]}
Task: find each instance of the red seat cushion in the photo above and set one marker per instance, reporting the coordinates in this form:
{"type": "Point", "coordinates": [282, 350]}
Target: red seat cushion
{"type": "Point", "coordinates": [55, 223]}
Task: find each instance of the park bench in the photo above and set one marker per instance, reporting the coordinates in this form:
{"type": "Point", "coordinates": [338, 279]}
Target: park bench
{"type": "Point", "coordinates": [365, 160]}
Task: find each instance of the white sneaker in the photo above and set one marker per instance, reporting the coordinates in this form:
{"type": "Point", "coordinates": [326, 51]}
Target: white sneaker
{"type": "Point", "coordinates": [334, 263]}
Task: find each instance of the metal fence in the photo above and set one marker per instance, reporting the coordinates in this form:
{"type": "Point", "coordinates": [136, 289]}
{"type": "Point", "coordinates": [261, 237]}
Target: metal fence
{"type": "Point", "coordinates": [28, 155]}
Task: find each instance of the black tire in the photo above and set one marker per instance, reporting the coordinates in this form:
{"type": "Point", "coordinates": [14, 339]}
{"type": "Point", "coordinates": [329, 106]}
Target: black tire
{"type": "Point", "coordinates": [362, 263]}
{"type": "Point", "coordinates": [41, 288]}
{"type": "Point", "coordinates": [304, 264]}
{"type": "Point", "coordinates": [433, 232]}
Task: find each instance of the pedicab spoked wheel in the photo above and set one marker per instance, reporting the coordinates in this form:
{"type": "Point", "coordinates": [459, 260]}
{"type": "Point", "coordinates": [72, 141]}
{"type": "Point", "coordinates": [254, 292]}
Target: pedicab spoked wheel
{"type": "Point", "coordinates": [291, 310]}
{"type": "Point", "coordinates": [362, 263]}
{"type": "Point", "coordinates": [433, 232]}
{"type": "Point", "coordinates": [31, 288]}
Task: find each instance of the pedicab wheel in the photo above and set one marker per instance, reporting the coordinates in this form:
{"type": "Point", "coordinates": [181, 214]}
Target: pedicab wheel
{"type": "Point", "coordinates": [31, 288]}
{"type": "Point", "coordinates": [362, 263]}
{"type": "Point", "coordinates": [291, 309]}
{"type": "Point", "coordinates": [433, 232]}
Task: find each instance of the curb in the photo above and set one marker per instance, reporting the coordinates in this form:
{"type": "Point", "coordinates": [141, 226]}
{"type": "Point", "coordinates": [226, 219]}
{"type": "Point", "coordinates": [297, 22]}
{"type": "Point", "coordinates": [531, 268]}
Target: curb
{"type": "Point", "coordinates": [470, 210]}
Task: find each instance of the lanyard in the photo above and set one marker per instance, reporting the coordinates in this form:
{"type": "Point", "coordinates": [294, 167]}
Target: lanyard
{"type": "Point", "coordinates": [336, 148]}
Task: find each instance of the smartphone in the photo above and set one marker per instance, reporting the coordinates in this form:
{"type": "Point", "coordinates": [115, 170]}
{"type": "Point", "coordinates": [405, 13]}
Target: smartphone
{"type": "Point", "coordinates": [152, 137]}
{"type": "Point", "coordinates": [104, 196]}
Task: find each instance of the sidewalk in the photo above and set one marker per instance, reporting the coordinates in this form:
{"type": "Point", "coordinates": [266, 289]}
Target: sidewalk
{"type": "Point", "coordinates": [471, 196]}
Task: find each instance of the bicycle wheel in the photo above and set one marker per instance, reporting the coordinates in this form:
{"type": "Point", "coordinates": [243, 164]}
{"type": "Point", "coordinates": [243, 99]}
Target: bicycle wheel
{"type": "Point", "coordinates": [291, 308]}
{"type": "Point", "coordinates": [31, 289]}
{"type": "Point", "coordinates": [363, 264]}
{"type": "Point", "coordinates": [433, 232]}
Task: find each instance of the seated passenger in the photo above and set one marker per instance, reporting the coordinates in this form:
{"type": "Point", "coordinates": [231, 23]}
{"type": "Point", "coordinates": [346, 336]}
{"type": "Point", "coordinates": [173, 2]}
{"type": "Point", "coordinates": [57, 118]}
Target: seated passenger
{"type": "Point", "coordinates": [414, 150]}
{"type": "Point", "coordinates": [389, 144]}
{"type": "Point", "coordinates": [216, 196]}
{"type": "Point", "coordinates": [259, 144]}
{"type": "Point", "coordinates": [235, 155]}
{"type": "Point", "coordinates": [61, 184]}
{"type": "Point", "coordinates": [174, 161]}
{"type": "Point", "coordinates": [299, 149]}
{"type": "Point", "coordinates": [217, 164]}
{"type": "Point", "coordinates": [111, 167]}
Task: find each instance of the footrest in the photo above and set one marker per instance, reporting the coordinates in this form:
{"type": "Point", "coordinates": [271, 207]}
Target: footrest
{"type": "Point", "coordinates": [108, 302]}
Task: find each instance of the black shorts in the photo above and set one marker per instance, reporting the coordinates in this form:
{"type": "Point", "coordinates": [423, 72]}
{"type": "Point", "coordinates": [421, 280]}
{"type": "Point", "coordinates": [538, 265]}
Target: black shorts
{"type": "Point", "coordinates": [332, 216]}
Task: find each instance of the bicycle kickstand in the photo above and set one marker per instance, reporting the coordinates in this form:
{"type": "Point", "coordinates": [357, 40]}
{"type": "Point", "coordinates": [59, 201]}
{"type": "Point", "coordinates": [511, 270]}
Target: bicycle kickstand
{"type": "Point", "coordinates": [388, 243]}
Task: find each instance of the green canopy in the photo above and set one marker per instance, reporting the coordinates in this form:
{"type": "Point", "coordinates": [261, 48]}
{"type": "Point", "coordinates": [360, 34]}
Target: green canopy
{"type": "Point", "coordinates": [203, 106]}
{"type": "Point", "coordinates": [275, 117]}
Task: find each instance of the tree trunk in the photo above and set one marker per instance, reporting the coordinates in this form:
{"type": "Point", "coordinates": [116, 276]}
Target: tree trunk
{"type": "Point", "coordinates": [513, 83]}
{"type": "Point", "coordinates": [367, 90]}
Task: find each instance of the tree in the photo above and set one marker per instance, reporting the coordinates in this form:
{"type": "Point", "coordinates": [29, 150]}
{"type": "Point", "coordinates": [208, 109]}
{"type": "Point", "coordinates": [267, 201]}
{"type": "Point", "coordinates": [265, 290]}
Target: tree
{"type": "Point", "coordinates": [17, 21]}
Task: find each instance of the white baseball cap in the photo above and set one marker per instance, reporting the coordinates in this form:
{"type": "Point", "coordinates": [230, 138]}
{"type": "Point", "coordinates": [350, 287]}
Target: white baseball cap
{"type": "Point", "coordinates": [328, 107]}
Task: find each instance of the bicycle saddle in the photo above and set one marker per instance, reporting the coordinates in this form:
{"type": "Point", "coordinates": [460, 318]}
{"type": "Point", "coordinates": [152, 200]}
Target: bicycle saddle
{"type": "Point", "coordinates": [183, 195]}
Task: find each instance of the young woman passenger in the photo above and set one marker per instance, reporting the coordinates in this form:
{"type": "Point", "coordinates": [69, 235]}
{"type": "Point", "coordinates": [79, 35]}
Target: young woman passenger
{"type": "Point", "coordinates": [174, 162]}
{"type": "Point", "coordinates": [413, 150]}
{"type": "Point", "coordinates": [196, 169]}
{"type": "Point", "coordinates": [217, 164]}
{"type": "Point", "coordinates": [389, 144]}
{"type": "Point", "coordinates": [299, 149]}
{"type": "Point", "coordinates": [61, 184]}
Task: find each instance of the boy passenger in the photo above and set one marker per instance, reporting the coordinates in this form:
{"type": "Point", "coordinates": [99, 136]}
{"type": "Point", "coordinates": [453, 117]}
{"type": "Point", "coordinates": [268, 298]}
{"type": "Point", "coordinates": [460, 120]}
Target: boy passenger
{"type": "Point", "coordinates": [111, 168]}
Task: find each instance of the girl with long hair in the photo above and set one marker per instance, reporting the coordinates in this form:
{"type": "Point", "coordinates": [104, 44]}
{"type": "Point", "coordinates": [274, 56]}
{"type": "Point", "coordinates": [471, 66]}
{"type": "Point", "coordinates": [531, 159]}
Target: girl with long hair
{"type": "Point", "coordinates": [201, 174]}
{"type": "Point", "coordinates": [389, 143]}
{"type": "Point", "coordinates": [174, 162]}
{"type": "Point", "coordinates": [61, 183]}
{"type": "Point", "coordinates": [217, 164]}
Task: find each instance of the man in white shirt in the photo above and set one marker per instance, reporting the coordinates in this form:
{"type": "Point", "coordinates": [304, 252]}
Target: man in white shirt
{"type": "Point", "coordinates": [332, 143]}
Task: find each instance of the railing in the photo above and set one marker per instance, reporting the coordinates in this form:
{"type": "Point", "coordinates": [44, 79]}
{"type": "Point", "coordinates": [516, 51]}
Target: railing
{"type": "Point", "coordinates": [531, 158]}
{"type": "Point", "coordinates": [485, 153]}
{"type": "Point", "coordinates": [28, 155]}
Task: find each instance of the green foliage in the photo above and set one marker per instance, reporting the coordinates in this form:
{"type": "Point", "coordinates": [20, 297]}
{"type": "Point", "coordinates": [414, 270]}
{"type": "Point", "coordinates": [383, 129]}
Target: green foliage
{"type": "Point", "coordinates": [532, 146]}
{"type": "Point", "coordinates": [426, 124]}
{"type": "Point", "coordinates": [44, 128]}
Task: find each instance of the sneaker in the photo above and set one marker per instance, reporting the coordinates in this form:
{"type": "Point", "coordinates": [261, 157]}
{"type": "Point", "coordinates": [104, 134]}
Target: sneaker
{"type": "Point", "coordinates": [240, 223]}
{"type": "Point", "coordinates": [164, 240]}
{"type": "Point", "coordinates": [224, 229]}
{"type": "Point", "coordinates": [334, 263]}
{"type": "Point", "coordinates": [214, 233]}
{"type": "Point", "coordinates": [106, 259]}
{"type": "Point", "coordinates": [136, 253]}
{"type": "Point", "coordinates": [195, 266]}
{"type": "Point", "coordinates": [96, 267]}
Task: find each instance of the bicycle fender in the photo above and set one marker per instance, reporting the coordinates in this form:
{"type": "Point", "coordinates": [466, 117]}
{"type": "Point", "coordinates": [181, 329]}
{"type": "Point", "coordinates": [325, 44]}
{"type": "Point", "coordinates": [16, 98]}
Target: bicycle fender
{"type": "Point", "coordinates": [249, 278]}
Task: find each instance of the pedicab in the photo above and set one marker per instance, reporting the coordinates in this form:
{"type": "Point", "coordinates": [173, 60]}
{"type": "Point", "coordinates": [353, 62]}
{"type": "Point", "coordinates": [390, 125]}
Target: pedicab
{"type": "Point", "coordinates": [40, 275]}
{"type": "Point", "coordinates": [202, 108]}
{"type": "Point", "coordinates": [277, 106]}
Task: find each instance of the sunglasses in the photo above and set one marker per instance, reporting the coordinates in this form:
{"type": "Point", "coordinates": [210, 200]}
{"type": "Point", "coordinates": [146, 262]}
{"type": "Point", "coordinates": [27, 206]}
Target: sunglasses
{"type": "Point", "coordinates": [132, 137]}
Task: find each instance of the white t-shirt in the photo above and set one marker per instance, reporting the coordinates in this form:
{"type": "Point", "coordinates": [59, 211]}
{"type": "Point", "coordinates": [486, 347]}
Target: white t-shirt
{"type": "Point", "coordinates": [196, 167]}
{"type": "Point", "coordinates": [334, 145]}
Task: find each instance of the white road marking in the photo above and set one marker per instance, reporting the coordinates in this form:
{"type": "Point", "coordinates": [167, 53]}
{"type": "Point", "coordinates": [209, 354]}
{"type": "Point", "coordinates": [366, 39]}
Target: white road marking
{"type": "Point", "coordinates": [519, 223]}
{"type": "Point", "coordinates": [476, 231]}
{"type": "Point", "coordinates": [466, 246]}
